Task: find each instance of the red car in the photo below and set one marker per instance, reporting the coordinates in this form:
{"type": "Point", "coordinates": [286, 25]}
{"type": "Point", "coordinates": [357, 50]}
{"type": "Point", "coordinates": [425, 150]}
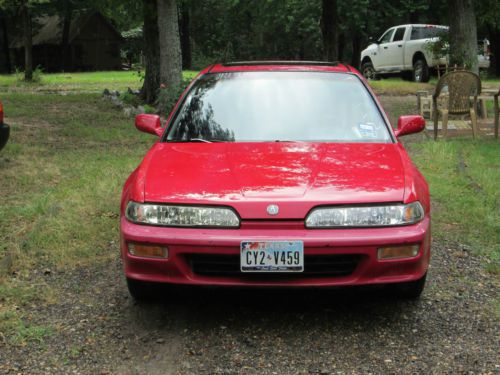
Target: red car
{"type": "Point", "coordinates": [276, 174]}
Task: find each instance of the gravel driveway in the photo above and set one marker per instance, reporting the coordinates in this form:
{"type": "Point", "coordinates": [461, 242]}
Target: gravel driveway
{"type": "Point", "coordinates": [99, 329]}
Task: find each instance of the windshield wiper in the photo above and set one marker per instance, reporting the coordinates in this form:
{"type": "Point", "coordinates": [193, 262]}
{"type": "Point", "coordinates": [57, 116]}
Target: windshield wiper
{"type": "Point", "coordinates": [206, 140]}
{"type": "Point", "coordinates": [198, 140]}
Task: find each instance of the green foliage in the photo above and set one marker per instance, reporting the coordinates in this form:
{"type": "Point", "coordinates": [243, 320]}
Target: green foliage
{"type": "Point", "coordinates": [149, 109]}
{"type": "Point", "coordinates": [441, 47]}
{"type": "Point", "coordinates": [232, 29]}
{"type": "Point", "coordinates": [37, 76]}
{"type": "Point", "coordinates": [133, 44]}
{"type": "Point", "coordinates": [168, 96]}
{"type": "Point", "coordinates": [488, 13]}
{"type": "Point", "coordinates": [130, 99]}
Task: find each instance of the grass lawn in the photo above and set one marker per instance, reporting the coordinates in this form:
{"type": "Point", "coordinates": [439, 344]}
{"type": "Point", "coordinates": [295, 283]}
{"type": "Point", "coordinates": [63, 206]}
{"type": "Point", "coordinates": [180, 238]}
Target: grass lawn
{"type": "Point", "coordinates": [79, 82]}
{"type": "Point", "coordinates": [464, 176]}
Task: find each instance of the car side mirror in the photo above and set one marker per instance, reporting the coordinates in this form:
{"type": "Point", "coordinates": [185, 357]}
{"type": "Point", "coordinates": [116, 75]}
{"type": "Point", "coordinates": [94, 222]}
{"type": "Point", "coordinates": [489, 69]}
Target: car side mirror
{"type": "Point", "coordinates": [149, 124]}
{"type": "Point", "coordinates": [409, 125]}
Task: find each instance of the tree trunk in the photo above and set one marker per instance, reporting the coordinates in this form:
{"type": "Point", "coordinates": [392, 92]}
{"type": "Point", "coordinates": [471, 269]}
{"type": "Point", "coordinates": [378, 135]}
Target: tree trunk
{"type": "Point", "coordinates": [66, 57]}
{"type": "Point", "coordinates": [185, 36]}
{"type": "Point", "coordinates": [170, 46]}
{"type": "Point", "coordinates": [463, 34]}
{"type": "Point", "coordinates": [329, 29]}
{"type": "Point", "coordinates": [5, 44]}
{"type": "Point", "coordinates": [149, 91]}
{"type": "Point", "coordinates": [356, 49]}
{"type": "Point", "coordinates": [28, 42]}
{"type": "Point", "coordinates": [341, 47]}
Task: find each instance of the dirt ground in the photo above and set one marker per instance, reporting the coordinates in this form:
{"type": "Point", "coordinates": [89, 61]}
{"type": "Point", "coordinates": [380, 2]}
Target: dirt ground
{"type": "Point", "coordinates": [101, 330]}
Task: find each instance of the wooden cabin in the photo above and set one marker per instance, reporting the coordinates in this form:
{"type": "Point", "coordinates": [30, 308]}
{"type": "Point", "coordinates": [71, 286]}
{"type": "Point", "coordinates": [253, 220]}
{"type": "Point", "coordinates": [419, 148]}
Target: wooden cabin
{"type": "Point", "coordinates": [93, 44]}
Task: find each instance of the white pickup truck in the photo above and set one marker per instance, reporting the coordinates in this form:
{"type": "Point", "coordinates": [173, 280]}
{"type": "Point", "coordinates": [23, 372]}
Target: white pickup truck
{"type": "Point", "coordinates": [406, 49]}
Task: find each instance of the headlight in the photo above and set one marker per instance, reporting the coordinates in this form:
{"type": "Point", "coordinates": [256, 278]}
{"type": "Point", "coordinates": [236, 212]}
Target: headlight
{"type": "Point", "coordinates": [181, 216]}
{"type": "Point", "coordinates": [365, 216]}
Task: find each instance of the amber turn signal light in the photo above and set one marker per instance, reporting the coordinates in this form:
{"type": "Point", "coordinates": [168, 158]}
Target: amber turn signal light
{"type": "Point", "coordinates": [398, 252]}
{"type": "Point", "coordinates": [147, 251]}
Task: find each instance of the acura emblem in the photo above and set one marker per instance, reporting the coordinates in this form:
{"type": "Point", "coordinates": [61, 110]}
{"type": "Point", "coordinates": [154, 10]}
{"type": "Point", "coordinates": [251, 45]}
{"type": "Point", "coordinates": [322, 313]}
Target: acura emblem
{"type": "Point", "coordinates": [273, 209]}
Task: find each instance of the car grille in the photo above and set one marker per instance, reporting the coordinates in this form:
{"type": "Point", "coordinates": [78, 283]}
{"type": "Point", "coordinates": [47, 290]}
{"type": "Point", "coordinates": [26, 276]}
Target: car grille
{"type": "Point", "coordinates": [314, 266]}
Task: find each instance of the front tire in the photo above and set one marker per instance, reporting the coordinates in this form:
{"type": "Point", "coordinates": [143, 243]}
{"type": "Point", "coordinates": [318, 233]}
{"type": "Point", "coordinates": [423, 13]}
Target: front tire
{"type": "Point", "coordinates": [141, 290]}
{"type": "Point", "coordinates": [409, 290]}
{"type": "Point", "coordinates": [368, 71]}
{"type": "Point", "coordinates": [421, 71]}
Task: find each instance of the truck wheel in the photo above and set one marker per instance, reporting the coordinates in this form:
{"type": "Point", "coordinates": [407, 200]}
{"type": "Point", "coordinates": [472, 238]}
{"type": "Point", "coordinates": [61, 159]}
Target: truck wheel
{"type": "Point", "coordinates": [420, 71]}
{"type": "Point", "coordinates": [368, 71]}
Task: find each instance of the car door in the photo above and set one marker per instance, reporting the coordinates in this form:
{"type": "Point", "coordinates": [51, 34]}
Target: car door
{"type": "Point", "coordinates": [393, 51]}
{"type": "Point", "coordinates": [380, 60]}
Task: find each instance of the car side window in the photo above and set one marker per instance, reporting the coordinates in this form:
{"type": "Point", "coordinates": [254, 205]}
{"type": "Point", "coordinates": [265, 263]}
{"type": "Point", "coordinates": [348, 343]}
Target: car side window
{"type": "Point", "coordinates": [386, 38]}
{"type": "Point", "coordinates": [416, 33]}
{"type": "Point", "coordinates": [399, 35]}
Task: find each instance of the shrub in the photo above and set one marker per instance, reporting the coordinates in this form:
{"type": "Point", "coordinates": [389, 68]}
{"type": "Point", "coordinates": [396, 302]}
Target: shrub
{"type": "Point", "coordinates": [168, 96]}
{"type": "Point", "coordinates": [130, 99]}
{"type": "Point", "coordinates": [37, 75]}
{"type": "Point", "coordinates": [149, 109]}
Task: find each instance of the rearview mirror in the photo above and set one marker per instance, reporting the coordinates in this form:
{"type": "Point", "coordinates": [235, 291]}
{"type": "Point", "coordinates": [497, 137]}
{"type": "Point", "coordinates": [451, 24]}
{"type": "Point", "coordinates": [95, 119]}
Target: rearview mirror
{"type": "Point", "coordinates": [409, 125]}
{"type": "Point", "coordinates": [149, 124]}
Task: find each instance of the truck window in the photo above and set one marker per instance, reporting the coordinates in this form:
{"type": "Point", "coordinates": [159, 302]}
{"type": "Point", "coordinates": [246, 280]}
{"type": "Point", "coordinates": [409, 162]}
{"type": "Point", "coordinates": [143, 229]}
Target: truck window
{"type": "Point", "coordinates": [424, 32]}
{"type": "Point", "coordinates": [399, 35]}
{"type": "Point", "coordinates": [386, 38]}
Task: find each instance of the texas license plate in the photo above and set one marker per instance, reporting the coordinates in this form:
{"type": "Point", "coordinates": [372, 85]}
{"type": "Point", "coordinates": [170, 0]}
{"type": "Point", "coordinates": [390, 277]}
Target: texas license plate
{"type": "Point", "coordinates": [272, 256]}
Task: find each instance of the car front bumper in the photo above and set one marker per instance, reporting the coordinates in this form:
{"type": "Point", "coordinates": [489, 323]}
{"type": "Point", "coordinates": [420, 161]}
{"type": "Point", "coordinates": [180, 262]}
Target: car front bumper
{"type": "Point", "coordinates": [340, 257]}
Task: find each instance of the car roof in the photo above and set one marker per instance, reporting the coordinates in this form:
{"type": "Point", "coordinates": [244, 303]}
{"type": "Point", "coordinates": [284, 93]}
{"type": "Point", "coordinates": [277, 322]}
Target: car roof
{"type": "Point", "coordinates": [421, 25]}
{"type": "Point", "coordinates": [309, 66]}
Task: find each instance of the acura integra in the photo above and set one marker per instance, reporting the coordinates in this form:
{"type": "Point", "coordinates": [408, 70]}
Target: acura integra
{"type": "Point", "coordinates": [276, 174]}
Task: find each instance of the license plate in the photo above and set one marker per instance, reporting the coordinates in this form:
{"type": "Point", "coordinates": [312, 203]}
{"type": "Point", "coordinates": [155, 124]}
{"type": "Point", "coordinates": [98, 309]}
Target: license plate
{"type": "Point", "coordinates": [272, 256]}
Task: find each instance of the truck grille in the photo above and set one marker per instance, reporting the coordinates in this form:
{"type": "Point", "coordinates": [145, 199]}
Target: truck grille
{"type": "Point", "coordinates": [314, 266]}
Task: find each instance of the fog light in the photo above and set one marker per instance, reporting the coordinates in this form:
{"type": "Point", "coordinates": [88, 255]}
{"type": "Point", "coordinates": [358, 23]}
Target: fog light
{"type": "Point", "coordinates": [148, 251]}
{"type": "Point", "coordinates": [397, 252]}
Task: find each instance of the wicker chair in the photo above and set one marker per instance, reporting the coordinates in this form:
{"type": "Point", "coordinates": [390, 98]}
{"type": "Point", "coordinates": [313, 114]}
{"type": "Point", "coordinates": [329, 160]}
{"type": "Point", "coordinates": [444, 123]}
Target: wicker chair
{"type": "Point", "coordinates": [452, 97]}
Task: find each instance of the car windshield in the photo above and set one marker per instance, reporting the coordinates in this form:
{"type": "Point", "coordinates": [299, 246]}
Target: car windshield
{"type": "Point", "coordinates": [278, 106]}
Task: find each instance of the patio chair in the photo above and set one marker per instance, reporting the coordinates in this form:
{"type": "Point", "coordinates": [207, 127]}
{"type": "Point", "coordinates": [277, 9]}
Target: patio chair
{"type": "Point", "coordinates": [453, 97]}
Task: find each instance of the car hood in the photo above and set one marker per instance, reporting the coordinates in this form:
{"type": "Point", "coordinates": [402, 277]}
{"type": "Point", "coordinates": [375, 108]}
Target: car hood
{"type": "Point", "coordinates": [295, 175]}
{"type": "Point", "coordinates": [371, 47]}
